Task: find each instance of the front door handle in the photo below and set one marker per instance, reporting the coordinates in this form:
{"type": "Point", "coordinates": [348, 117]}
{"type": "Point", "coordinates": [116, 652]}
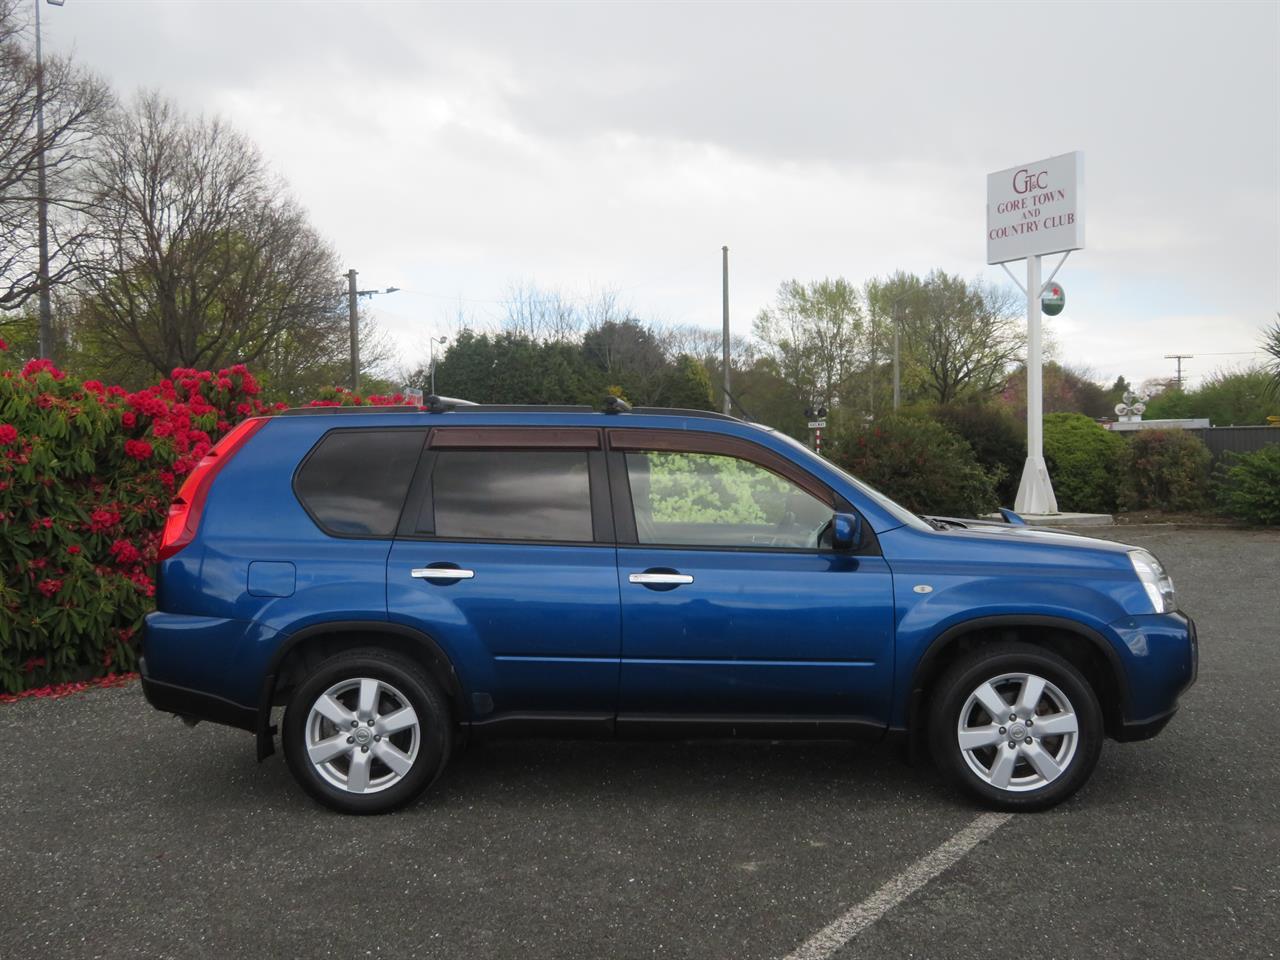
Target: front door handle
{"type": "Point", "coordinates": [670, 579]}
{"type": "Point", "coordinates": [441, 573]}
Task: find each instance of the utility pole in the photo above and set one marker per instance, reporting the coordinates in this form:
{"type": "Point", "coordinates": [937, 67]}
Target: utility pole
{"type": "Point", "coordinates": [1179, 357]}
{"type": "Point", "coordinates": [42, 201]}
{"type": "Point", "coordinates": [353, 307]}
{"type": "Point", "coordinates": [897, 386]}
{"type": "Point", "coordinates": [728, 408]}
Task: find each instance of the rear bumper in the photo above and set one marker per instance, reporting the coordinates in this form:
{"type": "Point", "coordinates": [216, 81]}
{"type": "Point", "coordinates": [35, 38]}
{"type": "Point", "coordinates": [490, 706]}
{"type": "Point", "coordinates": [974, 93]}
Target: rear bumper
{"type": "Point", "coordinates": [195, 704]}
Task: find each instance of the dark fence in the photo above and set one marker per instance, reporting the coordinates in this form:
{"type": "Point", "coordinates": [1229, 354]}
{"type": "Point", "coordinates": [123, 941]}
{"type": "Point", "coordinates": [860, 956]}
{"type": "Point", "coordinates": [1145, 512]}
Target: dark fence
{"type": "Point", "coordinates": [1223, 440]}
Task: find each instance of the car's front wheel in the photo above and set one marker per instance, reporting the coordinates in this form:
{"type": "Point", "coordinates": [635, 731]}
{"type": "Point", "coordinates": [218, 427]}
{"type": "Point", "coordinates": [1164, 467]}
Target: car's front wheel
{"type": "Point", "coordinates": [367, 731]}
{"type": "Point", "coordinates": [1016, 725]}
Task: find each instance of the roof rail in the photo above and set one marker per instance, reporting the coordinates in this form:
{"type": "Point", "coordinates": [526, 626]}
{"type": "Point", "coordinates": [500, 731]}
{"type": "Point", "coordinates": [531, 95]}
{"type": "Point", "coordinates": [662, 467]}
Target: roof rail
{"type": "Point", "coordinates": [332, 411]}
{"type": "Point", "coordinates": [434, 404]}
{"type": "Point", "coordinates": [684, 412]}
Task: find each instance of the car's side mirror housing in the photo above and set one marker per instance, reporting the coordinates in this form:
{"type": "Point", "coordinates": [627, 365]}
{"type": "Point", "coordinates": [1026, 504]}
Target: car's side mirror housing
{"type": "Point", "coordinates": [846, 531]}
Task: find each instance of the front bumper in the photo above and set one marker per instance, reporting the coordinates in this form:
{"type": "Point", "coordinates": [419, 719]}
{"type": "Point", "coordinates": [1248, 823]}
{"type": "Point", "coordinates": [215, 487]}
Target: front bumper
{"type": "Point", "coordinates": [195, 704]}
{"type": "Point", "coordinates": [1166, 669]}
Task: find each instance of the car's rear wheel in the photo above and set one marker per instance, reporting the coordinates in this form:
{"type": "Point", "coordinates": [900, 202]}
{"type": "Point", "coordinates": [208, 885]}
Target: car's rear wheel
{"type": "Point", "coordinates": [367, 731]}
{"type": "Point", "coordinates": [1016, 725]}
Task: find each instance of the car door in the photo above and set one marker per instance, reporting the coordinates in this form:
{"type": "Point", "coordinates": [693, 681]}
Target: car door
{"type": "Point", "coordinates": [734, 606]}
{"type": "Point", "coordinates": [505, 557]}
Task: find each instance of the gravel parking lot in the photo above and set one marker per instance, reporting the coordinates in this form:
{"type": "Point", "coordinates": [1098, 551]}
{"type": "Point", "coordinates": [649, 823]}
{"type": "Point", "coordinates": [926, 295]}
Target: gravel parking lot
{"type": "Point", "coordinates": [127, 834]}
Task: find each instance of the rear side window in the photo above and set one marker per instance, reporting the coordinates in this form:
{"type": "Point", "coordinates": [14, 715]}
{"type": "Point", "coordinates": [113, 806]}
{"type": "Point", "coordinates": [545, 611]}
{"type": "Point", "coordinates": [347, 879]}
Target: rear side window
{"type": "Point", "coordinates": [512, 495]}
{"type": "Point", "coordinates": [354, 482]}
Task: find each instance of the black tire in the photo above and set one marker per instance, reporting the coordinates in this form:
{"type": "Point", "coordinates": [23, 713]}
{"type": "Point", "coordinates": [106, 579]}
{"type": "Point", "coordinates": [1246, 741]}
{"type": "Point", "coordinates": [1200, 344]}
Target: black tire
{"type": "Point", "coordinates": [409, 679]}
{"type": "Point", "coordinates": [952, 692]}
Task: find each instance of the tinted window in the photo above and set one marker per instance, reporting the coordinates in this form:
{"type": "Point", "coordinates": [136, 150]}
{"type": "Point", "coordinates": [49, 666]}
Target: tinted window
{"type": "Point", "coordinates": [512, 495]}
{"type": "Point", "coordinates": [355, 481]}
{"type": "Point", "coordinates": [700, 499]}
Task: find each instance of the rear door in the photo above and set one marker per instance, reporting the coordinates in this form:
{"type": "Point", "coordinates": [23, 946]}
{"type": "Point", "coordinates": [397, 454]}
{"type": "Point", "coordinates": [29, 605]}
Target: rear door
{"type": "Point", "coordinates": [734, 606]}
{"type": "Point", "coordinates": [505, 556]}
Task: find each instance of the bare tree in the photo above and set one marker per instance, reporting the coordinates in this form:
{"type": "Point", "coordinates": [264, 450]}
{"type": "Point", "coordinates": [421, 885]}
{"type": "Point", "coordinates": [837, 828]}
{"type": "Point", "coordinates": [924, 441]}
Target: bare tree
{"type": "Point", "coordinates": [205, 260]}
{"type": "Point", "coordinates": [74, 105]}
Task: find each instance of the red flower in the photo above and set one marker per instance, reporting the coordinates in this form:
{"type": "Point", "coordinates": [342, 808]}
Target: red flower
{"type": "Point", "coordinates": [49, 587]}
{"type": "Point", "coordinates": [73, 549]}
{"type": "Point", "coordinates": [126, 553]}
{"type": "Point", "coordinates": [101, 520]}
{"type": "Point", "coordinates": [36, 367]}
{"type": "Point", "coordinates": [130, 420]}
{"type": "Point", "coordinates": [8, 434]}
{"type": "Point", "coordinates": [3, 345]}
{"type": "Point", "coordinates": [138, 449]}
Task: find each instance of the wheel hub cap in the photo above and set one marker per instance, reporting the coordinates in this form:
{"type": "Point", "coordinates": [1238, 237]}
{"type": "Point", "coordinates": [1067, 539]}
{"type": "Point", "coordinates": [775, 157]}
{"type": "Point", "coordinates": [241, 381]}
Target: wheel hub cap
{"type": "Point", "coordinates": [362, 735]}
{"type": "Point", "coordinates": [1017, 732]}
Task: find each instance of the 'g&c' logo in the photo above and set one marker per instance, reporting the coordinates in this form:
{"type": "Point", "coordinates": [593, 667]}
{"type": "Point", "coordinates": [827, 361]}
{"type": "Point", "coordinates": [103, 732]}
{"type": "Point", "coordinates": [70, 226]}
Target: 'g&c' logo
{"type": "Point", "coordinates": [1024, 181]}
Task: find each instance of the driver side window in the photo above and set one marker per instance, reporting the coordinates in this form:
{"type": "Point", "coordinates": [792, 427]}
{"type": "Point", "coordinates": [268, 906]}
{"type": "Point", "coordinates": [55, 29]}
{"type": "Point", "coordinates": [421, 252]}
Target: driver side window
{"type": "Point", "coordinates": [712, 500]}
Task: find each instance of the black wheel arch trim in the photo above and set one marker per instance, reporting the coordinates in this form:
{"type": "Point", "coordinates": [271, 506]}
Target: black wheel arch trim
{"type": "Point", "coordinates": [942, 640]}
{"type": "Point", "coordinates": [264, 729]}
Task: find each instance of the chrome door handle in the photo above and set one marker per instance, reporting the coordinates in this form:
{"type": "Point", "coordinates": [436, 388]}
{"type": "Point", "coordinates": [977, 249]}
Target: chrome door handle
{"type": "Point", "coordinates": [441, 573]}
{"type": "Point", "coordinates": [660, 578]}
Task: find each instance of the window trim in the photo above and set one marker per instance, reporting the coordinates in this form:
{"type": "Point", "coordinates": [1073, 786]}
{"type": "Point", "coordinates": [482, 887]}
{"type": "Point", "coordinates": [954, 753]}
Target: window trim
{"type": "Point", "coordinates": [421, 496]}
{"type": "Point", "coordinates": [315, 447]}
{"type": "Point", "coordinates": [622, 441]}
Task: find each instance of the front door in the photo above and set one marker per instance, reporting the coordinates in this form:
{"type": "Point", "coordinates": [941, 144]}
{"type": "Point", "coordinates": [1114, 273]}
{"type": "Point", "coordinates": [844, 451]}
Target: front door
{"type": "Point", "coordinates": [505, 557]}
{"type": "Point", "coordinates": [734, 605]}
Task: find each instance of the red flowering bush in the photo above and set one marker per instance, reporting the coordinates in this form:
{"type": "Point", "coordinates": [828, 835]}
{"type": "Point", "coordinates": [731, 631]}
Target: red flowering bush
{"type": "Point", "coordinates": [87, 473]}
{"type": "Point", "coordinates": [86, 476]}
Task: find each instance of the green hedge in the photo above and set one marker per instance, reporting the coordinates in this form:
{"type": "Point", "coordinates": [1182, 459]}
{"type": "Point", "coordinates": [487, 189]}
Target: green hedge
{"type": "Point", "coordinates": [1249, 486]}
{"type": "Point", "coordinates": [1084, 463]}
{"type": "Point", "coordinates": [917, 462]}
{"type": "Point", "coordinates": [1164, 470]}
{"type": "Point", "coordinates": [998, 439]}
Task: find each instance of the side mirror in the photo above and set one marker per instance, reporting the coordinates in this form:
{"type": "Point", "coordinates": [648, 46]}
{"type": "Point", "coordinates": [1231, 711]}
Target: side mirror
{"type": "Point", "coordinates": [846, 531]}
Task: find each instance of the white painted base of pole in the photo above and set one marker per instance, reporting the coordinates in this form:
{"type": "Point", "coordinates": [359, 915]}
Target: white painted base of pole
{"type": "Point", "coordinates": [1035, 492]}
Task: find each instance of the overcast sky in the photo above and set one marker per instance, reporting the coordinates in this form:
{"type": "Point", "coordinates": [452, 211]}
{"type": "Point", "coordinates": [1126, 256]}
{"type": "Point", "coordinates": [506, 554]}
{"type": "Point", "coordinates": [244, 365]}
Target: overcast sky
{"type": "Point", "coordinates": [453, 150]}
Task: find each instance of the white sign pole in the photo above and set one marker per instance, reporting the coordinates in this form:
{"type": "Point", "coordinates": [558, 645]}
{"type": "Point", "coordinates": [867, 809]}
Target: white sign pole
{"type": "Point", "coordinates": [1032, 210]}
{"type": "Point", "coordinates": [1035, 492]}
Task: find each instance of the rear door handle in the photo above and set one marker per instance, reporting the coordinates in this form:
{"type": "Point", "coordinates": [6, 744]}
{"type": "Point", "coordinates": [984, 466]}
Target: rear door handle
{"type": "Point", "coordinates": [667, 578]}
{"type": "Point", "coordinates": [441, 573]}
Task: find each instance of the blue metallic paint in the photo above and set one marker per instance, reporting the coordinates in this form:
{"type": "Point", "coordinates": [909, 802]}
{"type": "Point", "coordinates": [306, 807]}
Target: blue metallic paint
{"type": "Point", "coordinates": [559, 629]}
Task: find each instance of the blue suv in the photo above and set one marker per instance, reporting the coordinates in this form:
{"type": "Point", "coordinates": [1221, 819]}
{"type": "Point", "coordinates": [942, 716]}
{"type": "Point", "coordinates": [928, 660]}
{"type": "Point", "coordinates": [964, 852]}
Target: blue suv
{"type": "Point", "coordinates": [400, 578]}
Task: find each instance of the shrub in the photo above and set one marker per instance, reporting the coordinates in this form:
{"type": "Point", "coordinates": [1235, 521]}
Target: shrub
{"type": "Point", "coordinates": [87, 473]}
{"type": "Point", "coordinates": [919, 463]}
{"type": "Point", "coordinates": [1249, 486]}
{"type": "Point", "coordinates": [1083, 461]}
{"type": "Point", "coordinates": [998, 439]}
{"type": "Point", "coordinates": [1164, 470]}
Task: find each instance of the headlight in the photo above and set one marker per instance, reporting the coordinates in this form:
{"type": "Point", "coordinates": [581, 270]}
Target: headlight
{"type": "Point", "coordinates": [1154, 580]}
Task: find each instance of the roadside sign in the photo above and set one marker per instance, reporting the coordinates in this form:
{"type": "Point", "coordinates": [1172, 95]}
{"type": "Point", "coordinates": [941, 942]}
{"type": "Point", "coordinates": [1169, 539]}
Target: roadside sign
{"type": "Point", "coordinates": [1036, 208]}
{"type": "Point", "coordinates": [817, 424]}
{"type": "Point", "coordinates": [1053, 300]}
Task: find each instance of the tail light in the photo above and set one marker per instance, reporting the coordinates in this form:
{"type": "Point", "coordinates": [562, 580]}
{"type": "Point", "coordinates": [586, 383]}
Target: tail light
{"type": "Point", "coordinates": [184, 513]}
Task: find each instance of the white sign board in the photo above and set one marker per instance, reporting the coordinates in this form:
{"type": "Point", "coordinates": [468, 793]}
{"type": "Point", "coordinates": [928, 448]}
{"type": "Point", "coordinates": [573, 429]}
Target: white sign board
{"type": "Point", "coordinates": [817, 424]}
{"type": "Point", "coordinates": [1036, 208]}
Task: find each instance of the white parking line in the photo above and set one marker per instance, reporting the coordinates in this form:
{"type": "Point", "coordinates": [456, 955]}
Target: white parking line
{"type": "Point", "coordinates": [857, 918]}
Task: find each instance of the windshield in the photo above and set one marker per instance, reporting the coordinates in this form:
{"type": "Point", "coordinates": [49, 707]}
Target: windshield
{"type": "Point", "coordinates": [895, 510]}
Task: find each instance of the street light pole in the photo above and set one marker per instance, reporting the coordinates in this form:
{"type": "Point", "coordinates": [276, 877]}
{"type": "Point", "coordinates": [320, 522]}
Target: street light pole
{"type": "Point", "coordinates": [724, 362]}
{"type": "Point", "coordinates": [434, 341]}
{"type": "Point", "coordinates": [42, 201]}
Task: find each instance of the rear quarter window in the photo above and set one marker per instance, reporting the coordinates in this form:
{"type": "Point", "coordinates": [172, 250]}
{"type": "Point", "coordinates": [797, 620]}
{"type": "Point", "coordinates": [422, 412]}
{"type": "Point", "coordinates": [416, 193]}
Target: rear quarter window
{"type": "Point", "coordinates": [353, 483]}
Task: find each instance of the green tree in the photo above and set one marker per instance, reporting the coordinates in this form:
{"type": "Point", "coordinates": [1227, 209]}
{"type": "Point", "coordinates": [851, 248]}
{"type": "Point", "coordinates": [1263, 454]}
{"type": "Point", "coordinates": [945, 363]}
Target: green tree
{"type": "Point", "coordinates": [1239, 397]}
{"type": "Point", "coordinates": [814, 334]}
